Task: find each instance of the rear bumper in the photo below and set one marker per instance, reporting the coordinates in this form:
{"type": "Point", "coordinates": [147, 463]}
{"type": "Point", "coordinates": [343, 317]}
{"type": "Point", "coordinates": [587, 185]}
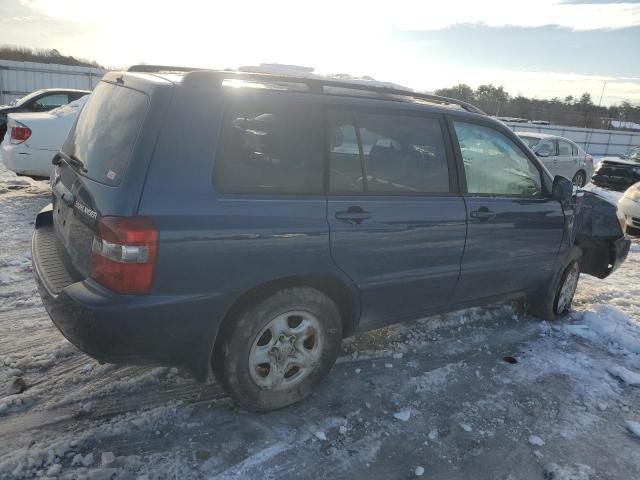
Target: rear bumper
{"type": "Point", "coordinates": [26, 161]}
{"type": "Point", "coordinates": [131, 329]}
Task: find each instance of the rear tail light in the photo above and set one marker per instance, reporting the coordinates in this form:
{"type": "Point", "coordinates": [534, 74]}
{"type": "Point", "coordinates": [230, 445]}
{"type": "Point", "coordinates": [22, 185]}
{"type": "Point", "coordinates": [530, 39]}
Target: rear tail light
{"type": "Point", "coordinates": [123, 254]}
{"type": "Point", "coordinates": [19, 133]}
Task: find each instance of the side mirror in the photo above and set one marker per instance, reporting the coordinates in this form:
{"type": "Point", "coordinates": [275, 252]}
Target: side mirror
{"type": "Point", "coordinates": [543, 153]}
{"type": "Point", "coordinates": [562, 189]}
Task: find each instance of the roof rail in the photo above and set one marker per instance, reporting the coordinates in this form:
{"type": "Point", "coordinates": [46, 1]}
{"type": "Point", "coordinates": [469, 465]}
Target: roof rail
{"type": "Point", "coordinates": [160, 68]}
{"type": "Point", "coordinates": [202, 77]}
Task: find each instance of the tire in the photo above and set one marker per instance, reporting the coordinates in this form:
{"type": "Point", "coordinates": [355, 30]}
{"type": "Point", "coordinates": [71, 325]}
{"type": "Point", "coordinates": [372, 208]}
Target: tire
{"type": "Point", "coordinates": [276, 352]}
{"type": "Point", "coordinates": [557, 302]}
{"type": "Point", "coordinates": [579, 179]}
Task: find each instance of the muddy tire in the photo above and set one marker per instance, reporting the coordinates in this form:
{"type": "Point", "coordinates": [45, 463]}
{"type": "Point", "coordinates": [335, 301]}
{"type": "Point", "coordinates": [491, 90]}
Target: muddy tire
{"type": "Point", "coordinates": [559, 296]}
{"type": "Point", "coordinates": [276, 352]}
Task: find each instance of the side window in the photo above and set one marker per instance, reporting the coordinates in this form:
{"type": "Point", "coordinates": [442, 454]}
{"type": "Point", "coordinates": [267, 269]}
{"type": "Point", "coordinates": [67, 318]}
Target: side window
{"type": "Point", "coordinates": [493, 164]}
{"type": "Point", "coordinates": [345, 166]}
{"type": "Point", "coordinates": [574, 150]}
{"type": "Point", "coordinates": [403, 154]}
{"type": "Point", "coordinates": [396, 154]}
{"type": "Point", "coordinates": [49, 102]}
{"type": "Point", "coordinates": [270, 148]}
{"type": "Point", "coordinates": [547, 148]}
{"type": "Point", "coordinates": [564, 148]}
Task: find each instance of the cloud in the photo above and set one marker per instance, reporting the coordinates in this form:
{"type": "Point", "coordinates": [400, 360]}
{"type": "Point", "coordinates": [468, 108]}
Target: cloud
{"type": "Point", "coordinates": [363, 15]}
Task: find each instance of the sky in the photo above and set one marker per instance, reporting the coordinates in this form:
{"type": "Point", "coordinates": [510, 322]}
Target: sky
{"type": "Point", "coordinates": [537, 48]}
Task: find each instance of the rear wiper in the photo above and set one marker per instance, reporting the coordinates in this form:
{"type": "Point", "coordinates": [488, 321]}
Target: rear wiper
{"type": "Point", "coordinates": [71, 160]}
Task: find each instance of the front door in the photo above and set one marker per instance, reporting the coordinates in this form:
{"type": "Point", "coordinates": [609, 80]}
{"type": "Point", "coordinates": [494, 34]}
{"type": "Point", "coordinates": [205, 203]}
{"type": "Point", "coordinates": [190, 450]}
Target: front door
{"type": "Point", "coordinates": [514, 227]}
{"type": "Point", "coordinates": [397, 224]}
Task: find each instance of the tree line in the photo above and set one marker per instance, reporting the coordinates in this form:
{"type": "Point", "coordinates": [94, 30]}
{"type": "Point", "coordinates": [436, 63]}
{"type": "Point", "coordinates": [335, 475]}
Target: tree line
{"type": "Point", "coordinates": [23, 54]}
{"type": "Point", "coordinates": [571, 111]}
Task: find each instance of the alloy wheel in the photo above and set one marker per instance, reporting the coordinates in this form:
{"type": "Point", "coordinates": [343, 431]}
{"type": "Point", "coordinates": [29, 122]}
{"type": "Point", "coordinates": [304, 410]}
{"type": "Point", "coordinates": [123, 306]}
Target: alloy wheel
{"type": "Point", "coordinates": [286, 351]}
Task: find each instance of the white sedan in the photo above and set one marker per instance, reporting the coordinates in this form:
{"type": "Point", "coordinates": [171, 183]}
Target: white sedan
{"type": "Point", "coordinates": [629, 206]}
{"type": "Point", "coordinates": [32, 139]}
{"type": "Point", "coordinates": [561, 156]}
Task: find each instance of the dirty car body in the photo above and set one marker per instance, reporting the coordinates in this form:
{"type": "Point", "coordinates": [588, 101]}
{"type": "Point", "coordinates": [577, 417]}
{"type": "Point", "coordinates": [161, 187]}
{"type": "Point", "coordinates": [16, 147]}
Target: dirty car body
{"type": "Point", "coordinates": [191, 254]}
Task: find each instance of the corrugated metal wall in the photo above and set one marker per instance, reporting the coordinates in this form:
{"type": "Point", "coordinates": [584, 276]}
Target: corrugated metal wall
{"type": "Point", "coordinates": [595, 142]}
{"type": "Point", "coordinates": [20, 78]}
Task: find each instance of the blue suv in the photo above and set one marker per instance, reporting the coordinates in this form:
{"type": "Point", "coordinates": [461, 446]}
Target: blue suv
{"type": "Point", "coordinates": [244, 224]}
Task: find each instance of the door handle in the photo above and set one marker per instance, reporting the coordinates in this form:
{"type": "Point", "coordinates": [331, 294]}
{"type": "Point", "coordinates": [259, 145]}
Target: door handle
{"type": "Point", "coordinates": [483, 214]}
{"type": "Point", "coordinates": [353, 215]}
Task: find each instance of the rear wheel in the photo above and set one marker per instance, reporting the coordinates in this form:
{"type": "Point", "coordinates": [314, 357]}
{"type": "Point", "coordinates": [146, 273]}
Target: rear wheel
{"type": "Point", "coordinates": [280, 349]}
{"type": "Point", "coordinates": [580, 179]}
{"type": "Point", "coordinates": [559, 296]}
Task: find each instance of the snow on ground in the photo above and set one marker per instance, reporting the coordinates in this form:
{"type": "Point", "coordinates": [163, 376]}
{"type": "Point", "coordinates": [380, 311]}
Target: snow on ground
{"type": "Point", "coordinates": [484, 393]}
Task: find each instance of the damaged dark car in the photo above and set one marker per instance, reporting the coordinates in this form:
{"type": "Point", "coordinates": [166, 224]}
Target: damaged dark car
{"type": "Point", "coordinates": [618, 173]}
{"type": "Point", "coordinates": [201, 222]}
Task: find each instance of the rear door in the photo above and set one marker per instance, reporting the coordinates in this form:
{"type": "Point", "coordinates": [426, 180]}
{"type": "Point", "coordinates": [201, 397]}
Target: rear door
{"type": "Point", "coordinates": [514, 227]}
{"type": "Point", "coordinates": [397, 223]}
{"type": "Point", "coordinates": [567, 160]}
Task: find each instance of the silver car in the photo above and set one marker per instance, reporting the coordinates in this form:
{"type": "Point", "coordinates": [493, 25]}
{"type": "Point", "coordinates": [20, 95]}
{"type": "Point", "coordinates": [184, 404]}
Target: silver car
{"type": "Point", "coordinates": [561, 156]}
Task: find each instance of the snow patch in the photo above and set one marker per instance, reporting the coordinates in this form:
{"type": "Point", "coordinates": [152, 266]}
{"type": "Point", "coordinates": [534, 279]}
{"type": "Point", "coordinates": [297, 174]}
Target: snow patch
{"type": "Point", "coordinates": [536, 441]}
{"type": "Point", "coordinates": [627, 376]}
{"type": "Point", "coordinates": [634, 427]}
{"type": "Point", "coordinates": [403, 415]}
{"type": "Point", "coordinates": [575, 471]}
{"type": "Point", "coordinates": [609, 324]}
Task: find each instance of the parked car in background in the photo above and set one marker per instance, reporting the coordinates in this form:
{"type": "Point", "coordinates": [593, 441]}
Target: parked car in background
{"type": "Point", "coordinates": [32, 139]}
{"type": "Point", "coordinates": [39, 101]}
{"type": "Point", "coordinates": [246, 231]}
{"type": "Point", "coordinates": [629, 205]}
{"type": "Point", "coordinates": [618, 173]}
{"type": "Point", "coordinates": [561, 156]}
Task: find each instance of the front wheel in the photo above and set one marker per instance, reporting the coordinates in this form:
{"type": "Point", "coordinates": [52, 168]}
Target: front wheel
{"type": "Point", "coordinates": [580, 179]}
{"type": "Point", "coordinates": [559, 296]}
{"type": "Point", "coordinates": [279, 349]}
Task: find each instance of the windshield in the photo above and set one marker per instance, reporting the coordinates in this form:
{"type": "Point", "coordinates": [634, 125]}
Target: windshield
{"type": "Point", "coordinates": [530, 141]}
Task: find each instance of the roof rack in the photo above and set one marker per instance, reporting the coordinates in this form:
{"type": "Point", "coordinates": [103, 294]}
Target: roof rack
{"type": "Point", "coordinates": [204, 77]}
{"type": "Point", "coordinates": [160, 68]}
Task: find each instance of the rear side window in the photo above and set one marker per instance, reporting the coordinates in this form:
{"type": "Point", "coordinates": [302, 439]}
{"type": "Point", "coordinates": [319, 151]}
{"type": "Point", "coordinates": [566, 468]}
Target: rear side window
{"type": "Point", "coordinates": [270, 148]}
{"type": "Point", "coordinates": [106, 130]}
{"type": "Point", "coordinates": [51, 101]}
{"type": "Point", "coordinates": [387, 154]}
{"type": "Point", "coordinates": [564, 148]}
{"type": "Point", "coordinates": [574, 150]}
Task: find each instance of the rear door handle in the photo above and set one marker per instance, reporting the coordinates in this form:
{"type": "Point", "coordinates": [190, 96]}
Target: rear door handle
{"type": "Point", "coordinates": [483, 214]}
{"type": "Point", "coordinates": [353, 214]}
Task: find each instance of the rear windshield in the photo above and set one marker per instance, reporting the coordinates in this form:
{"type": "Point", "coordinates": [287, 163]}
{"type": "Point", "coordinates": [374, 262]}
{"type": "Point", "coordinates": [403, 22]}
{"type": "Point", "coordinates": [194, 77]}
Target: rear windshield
{"type": "Point", "coordinates": [106, 131]}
